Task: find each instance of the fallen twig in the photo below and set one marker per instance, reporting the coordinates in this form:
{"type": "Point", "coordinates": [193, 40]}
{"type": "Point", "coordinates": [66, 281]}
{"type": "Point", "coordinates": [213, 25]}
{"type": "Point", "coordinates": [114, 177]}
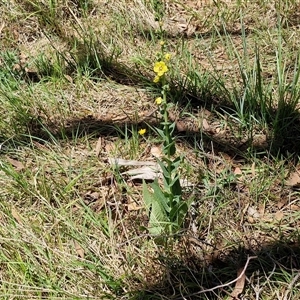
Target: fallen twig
{"type": "Point", "coordinates": [225, 284]}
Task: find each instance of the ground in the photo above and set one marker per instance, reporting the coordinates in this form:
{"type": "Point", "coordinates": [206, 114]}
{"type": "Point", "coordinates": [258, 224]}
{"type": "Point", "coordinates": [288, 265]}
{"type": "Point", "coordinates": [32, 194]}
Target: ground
{"type": "Point", "coordinates": [76, 86]}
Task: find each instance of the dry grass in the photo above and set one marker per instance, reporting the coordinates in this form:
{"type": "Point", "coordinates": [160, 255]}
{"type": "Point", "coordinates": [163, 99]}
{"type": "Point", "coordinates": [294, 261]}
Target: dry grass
{"type": "Point", "coordinates": [75, 87]}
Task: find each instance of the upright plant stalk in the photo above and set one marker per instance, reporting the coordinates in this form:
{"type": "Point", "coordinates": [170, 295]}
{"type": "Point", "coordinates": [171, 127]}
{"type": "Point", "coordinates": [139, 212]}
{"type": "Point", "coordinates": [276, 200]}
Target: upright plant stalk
{"type": "Point", "coordinates": [165, 205]}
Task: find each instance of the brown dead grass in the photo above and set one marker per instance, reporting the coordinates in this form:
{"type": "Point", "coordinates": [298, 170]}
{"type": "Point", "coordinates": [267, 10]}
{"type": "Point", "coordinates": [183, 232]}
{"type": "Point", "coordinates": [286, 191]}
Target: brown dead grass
{"type": "Point", "coordinates": [234, 216]}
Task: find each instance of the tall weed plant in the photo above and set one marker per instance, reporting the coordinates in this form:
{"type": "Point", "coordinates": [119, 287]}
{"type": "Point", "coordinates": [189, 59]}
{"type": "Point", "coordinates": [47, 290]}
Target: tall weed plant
{"type": "Point", "coordinates": [165, 205]}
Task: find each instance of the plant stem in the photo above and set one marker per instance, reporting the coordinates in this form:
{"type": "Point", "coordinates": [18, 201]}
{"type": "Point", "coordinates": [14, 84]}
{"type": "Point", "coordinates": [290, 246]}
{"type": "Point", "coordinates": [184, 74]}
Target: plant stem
{"type": "Point", "coordinates": [167, 148]}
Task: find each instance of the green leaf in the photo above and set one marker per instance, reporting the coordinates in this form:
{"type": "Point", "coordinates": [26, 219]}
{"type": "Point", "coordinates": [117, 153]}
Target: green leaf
{"type": "Point", "coordinates": [159, 196]}
{"type": "Point", "coordinates": [172, 128]}
{"type": "Point", "coordinates": [164, 169]}
{"type": "Point", "coordinates": [158, 219]}
{"type": "Point", "coordinates": [171, 146]}
{"type": "Point", "coordinates": [161, 133]}
{"type": "Point", "coordinates": [175, 186]}
{"type": "Point", "coordinates": [157, 208]}
{"type": "Point", "coordinates": [177, 161]}
{"type": "Point", "coordinates": [179, 212]}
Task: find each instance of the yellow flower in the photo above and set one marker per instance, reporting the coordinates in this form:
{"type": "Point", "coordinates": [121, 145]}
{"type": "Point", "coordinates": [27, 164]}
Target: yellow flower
{"type": "Point", "coordinates": [160, 68]}
{"type": "Point", "coordinates": [167, 56]}
{"type": "Point", "coordinates": [161, 43]}
{"type": "Point", "coordinates": [142, 131]}
{"type": "Point", "coordinates": [156, 79]}
{"type": "Point", "coordinates": [158, 100]}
